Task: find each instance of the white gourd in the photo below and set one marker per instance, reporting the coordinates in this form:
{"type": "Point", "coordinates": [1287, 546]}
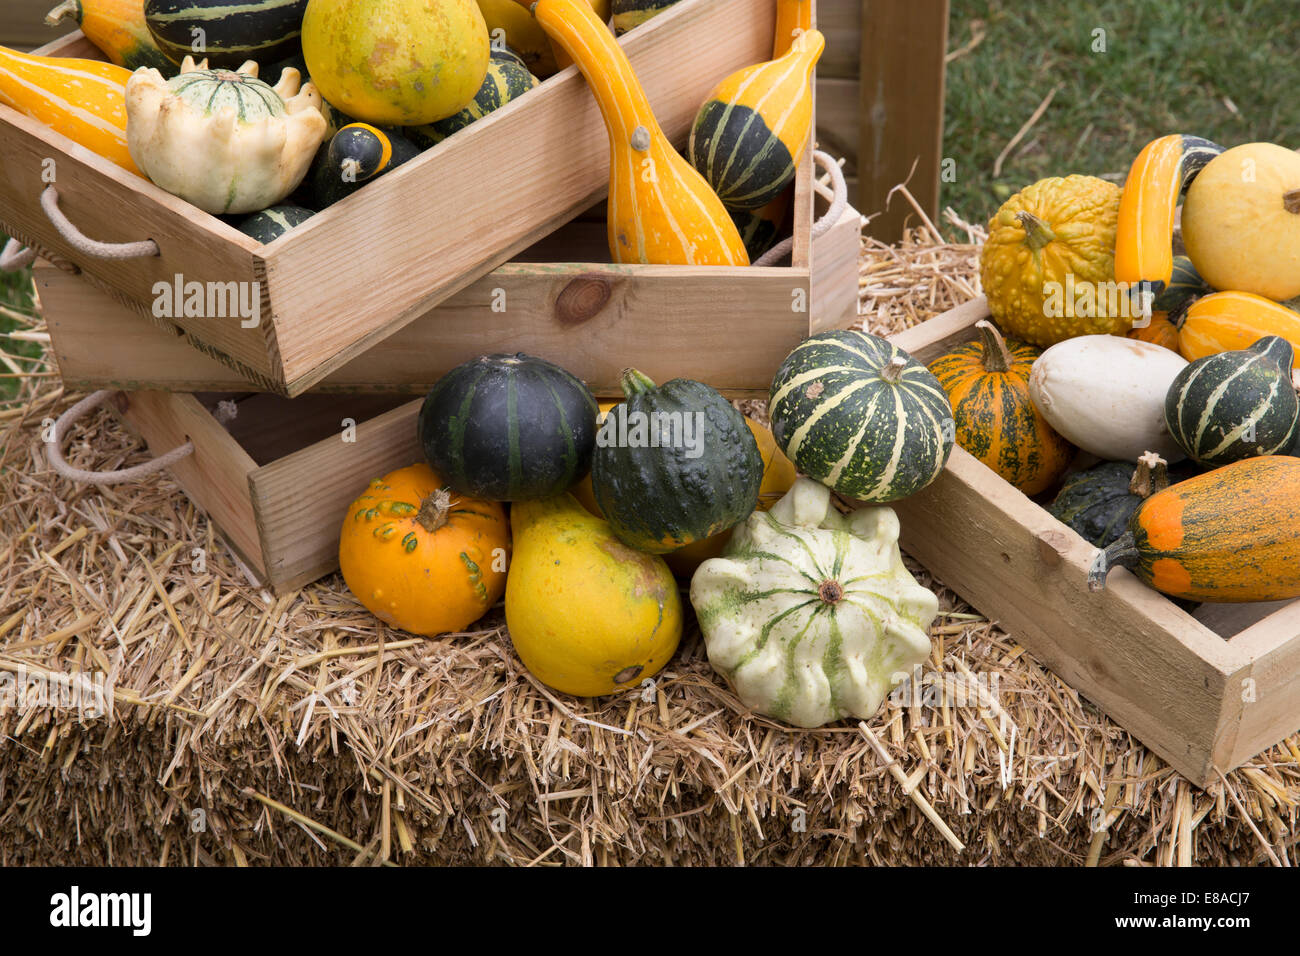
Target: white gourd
{"type": "Point", "coordinates": [222, 139]}
{"type": "Point", "coordinates": [811, 615]}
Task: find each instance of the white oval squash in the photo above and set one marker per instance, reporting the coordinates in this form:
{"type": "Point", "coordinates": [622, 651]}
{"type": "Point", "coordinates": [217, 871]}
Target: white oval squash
{"type": "Point", "coordinates": [811, 615]}
{"type": "Point", "coordinates": [1106, 394]}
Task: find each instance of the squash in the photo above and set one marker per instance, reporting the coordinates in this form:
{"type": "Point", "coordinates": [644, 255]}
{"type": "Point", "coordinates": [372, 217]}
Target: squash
{"type": "Point", "coordinates": [233, 31]}
{"type": "Point", "coordinates": [1168, 308]}
{"type": "Point", "coordinates": [507, 79]}
{"type": "Point", "coordinates": [988, 386]}
{"type": "Point", "coordinates": [359, 151]}
{"type": "Point", "coordinates": [418, 557]}
{"type": "Point", "coordinates": [1241, 221]}
{"type": "Point", "coordinates": [117, 27]}
{"type": "Point", "coordinates": [860, 415]}
{"type": "Point", "coordinates": [1098, 501]}
{"type": "Point", "coordinates": [222, 139]}
{"type": "Point", "coordinates": [673, 464]}
{"type": "Point", "coordinates": [1229, 321]}
{"type": "Point", "coordinates": [660, 209]}
{"type": "Point", "coordinates": [751, 132]}
{"type": "Point", "coordinates": [1047, 266]}
{"type": "Point", "coordinates": [508, 427]}
{"type": "Point", "coordinates": [512, 21]}
{"type": "Point", "coordinates": [84, 100]}
{"type": "Point", "coordinates": [1235, 405]}
{"type": "Point", "coordinates": [1106, 394]}
{"type": "Point", "coordinates": [760, 229]}
{"type": "Point", "coordinates": [792, 18]}
{"type": "Point", "coordinates": [630, 14]}
{"type": "Point", "coordinates": [587, 615]}
{"type": "Point", "coordinates": [270, 224]}
{"type": "Point", "coordinates": [1230, 535]}
{"type": "Point", "coordinates": [1161, 173]}
{"type": "Point", "coordinates": [396, 62]}
{"type": "Point", "coordinates": [334, 173]}
{"type": "Point", "coordinates": [811, 616]}
{"type": "Point", "coordinates": [1158, 331]}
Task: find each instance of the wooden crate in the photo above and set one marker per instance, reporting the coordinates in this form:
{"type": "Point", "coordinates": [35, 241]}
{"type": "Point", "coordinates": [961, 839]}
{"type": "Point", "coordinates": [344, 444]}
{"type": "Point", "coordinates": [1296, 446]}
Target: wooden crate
{"type": "Point", "coordinates": [365, 267]}
{"type": "Point", "coordinates": [1206, 691]}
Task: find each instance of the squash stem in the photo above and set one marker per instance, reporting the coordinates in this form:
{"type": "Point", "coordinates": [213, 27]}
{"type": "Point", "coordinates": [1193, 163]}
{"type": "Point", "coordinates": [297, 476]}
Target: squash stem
{"type": "Point", "coordinates": [1291, 201]}
{"type": "Point", "coordinates": [635, 383]}
{"type": "Point", "coordinates": [831, 592]}
{"type": "Point", "coordinates": [1120, 552]}
{"type": "Point", "coordinates": [997, 357]}
{"type": "Point", "coordinates": [434, 510]}
{"type": "Point", "coordinates": [892, 372]}
{"type": "Point", "coordinates": [1037, 232]}
{"type": "Point", "coordinates": [67, 10]}
{"type": "Point", "coordinates": [1150, 476]}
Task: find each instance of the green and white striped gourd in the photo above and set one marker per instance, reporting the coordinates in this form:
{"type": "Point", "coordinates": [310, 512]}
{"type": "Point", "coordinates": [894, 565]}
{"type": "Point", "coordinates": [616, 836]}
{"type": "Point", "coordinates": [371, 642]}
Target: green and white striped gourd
{"type": "Point", "coordinates": [861, 416]}
{"type": "Point", "coordinates": [810, 615]}
{"type": "Point", "coordinates": [232, 31]}
{"type": "Point", "coordinates": [507, 79]}
{"type": "Point", "coordinates": [270, 224]}
{"type": "Point", "coordinates": [1234, 405]}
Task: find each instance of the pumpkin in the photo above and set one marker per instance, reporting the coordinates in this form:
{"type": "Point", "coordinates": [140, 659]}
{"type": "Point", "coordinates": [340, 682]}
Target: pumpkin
{"type": "Point", "coordinates": [1228, 321]}
{"type": "Point", "coordinates": [84, 100]}
{"type": "Point", "coordinates": [1230, 535]}
{"type": "Point", "coordinates": [270, 224]}
{"type": "Point", "coordinates": [752, 130]}
{"type": "Point", "coordinates": [811, 616]}
{"type": "Point", "coordinates": [507, 79]}
{"type": "Point", "coordinates": [660, 209]}
{"type": "Point", "coordinates": [673, 464]}
{"type": "Point", "coordinates": [1106, 394]}
{"type": "Point", "coordinates": [117, 27]}
{"type": "Point", "coordinates": [1048, 255]}
{"type": "Point", "coordinates": [508, 427]}
{"type": "Point", "coordinates": [1241, 221]}
{"type": "Point", "coordinates": [396, 62]}
{"type": "Point", "coordinates": [587, 615]}
{"type": "Point", "coordinates": [1158, 331]}
{"type": "Point", "coordinates": [988, 386]}
{"type": "Point", "coordinates": [420, 558]}
{"type": "Point", "coordinates": [792, 18]}
{"type": "Point", "coordinates": [859, 414]}
{"type": "Point", "coordinates": [1098, 501]}
{"type": "Point", "coordinates": [1161, 173]}
{"type": "Point", "coordinates": [630, 14]}
{"type": "Point", "coordinates": [258, 140]}
{"type": "Point", "coordinates": [1235, 405]}
{"type": "Point", "coordinates": [226, 32]}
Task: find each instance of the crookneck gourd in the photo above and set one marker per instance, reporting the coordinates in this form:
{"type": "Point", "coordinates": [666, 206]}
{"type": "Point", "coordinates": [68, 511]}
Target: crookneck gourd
{"type": "Point", "coordinates": [811, 615]}
{"type": "Point", "coordinates": [1098, 501]}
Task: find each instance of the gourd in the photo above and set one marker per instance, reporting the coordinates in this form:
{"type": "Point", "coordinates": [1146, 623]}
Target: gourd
{"type": "Point", "coordinates": [1230, 535]}
{"type": "Point", "coordinates": [117, 27]}
{"type": "Point", "coordinates": [222, 139]}
{"type": "Point", "coordinates": [1235, 405]}
{"type": "Point", "coordinates": [1158, 331]}
{"type": "Point", "coordinates": [508, 428]}
{"type": "Point", "coordinates": [860, 415]}
{"type": "Point", "coordinates": [760, 229]}
{"type": "Point", "coordinates": [1168, 308]}
{"type": "Point", "coordinates": [660, 209]}
{"type": "Point", "coordinates": [396, 62]}
{"type": "Point", "coordinates": [587, 615]}
{"type": "Point", "coordinates": [338, 168]}
{"type": "Point", "coordinates": [420, 558]}
{"type": "Point", "coordinates": [811, 616]}
{"type": "Point", "coordinates": [513, 21]}
{"type": "Point", "coordinates": [630, 14]}
{"type": "Point", "coordinates": [1048, 253]}
{"type": "Point", "coordinates": [988, 386]}
{"type": "Point", "coordinates": [1241, 221]}
{"type": "Point", "coordinates": [673, 464]}
{"type": "Point", "coordinates": [1098, 501]}
{"type": "Point", "coordinates": [792, 18]}
{"type": "Point", "coordinates": [84, 100]}
{"type": "Point", "coordinates": [1106, 394]}
{"type": "Point", "coordinates": [1161, 173]}
{"type": "Point", "coordinates": [751, 132]}
{"type": "Point", "coordinates": [270, 224]}
{"type": "Point", "coordinates": [507, 79]}
{"type": "Point", "coordinates": [1229, 321]}
{"type": "Point", "coordinates": [232, 31]}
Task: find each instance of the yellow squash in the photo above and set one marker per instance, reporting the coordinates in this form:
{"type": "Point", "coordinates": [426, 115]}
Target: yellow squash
{"type": "Point", "coordinates": [1232, 321]}
{"type": "Point", "coordinates": [587, 615]}
{"type": "Point", "coordinates": [85, 100]}
{"type": "Point", "coordinates": [660, 209]}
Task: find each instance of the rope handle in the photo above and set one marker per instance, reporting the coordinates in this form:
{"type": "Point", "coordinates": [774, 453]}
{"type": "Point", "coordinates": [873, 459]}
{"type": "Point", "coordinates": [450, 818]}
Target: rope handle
{"type": "Point", "coordinates": [839, 199]}
{"type": "Point", "coordinates": [14, 256]}
{"type": "Point", "coordinates": [54, 449]}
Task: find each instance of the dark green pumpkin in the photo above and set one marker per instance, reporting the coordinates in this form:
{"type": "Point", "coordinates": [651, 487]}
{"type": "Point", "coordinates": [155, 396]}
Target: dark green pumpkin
{"type": "Point", "coordinates": [674, 464]}
{"type": "Point", "coordinates": [629, 14]}
{"type": "Point", "coordinates": [1234, 405]}
{"type": "Point", "coordinates": [233, 30]}
{"type": "Point", "coordinates": [861, 416]}
{"type": "Point", "coordinates": [1099, 501]}
{"type": "Point", "coordinates": [507, 79]}
{"type": "Point", "coordinates": [760, 229]}
{"type": "Point", "coordinates": [270, 224]}
{"type": "Point", "coordinates": [508, 428]}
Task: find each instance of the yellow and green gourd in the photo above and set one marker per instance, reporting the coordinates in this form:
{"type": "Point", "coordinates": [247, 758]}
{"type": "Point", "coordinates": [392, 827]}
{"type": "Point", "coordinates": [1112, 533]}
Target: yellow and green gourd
{"type": "Point", "coordinates": [507, 79]}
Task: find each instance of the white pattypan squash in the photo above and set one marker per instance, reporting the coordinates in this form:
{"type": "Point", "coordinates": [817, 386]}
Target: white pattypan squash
{"type": "Point", "coordinates": [811, 615]}
{"type": "Point", "coordinates": [222, 139]}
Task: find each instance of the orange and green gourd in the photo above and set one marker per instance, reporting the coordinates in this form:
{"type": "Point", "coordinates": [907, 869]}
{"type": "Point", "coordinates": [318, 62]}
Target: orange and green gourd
{"type": "Point", "coordinates": [118, 28]}
{"type": "Point", "coordinates": [792, 18]}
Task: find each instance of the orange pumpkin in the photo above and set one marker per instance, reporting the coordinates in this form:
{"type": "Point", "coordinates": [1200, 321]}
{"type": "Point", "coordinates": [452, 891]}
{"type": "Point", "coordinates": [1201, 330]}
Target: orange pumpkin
{"type": "Point", "coordinates": [1159, 331]}
{"type": "Point", "coordinates": [421, 559]}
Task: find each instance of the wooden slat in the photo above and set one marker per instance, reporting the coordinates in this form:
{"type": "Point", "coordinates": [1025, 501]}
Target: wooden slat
{"type": "Point", "coordinates": [1262, 703]}
{"type": "Point", "coordinates": [834, 301]}
{"type": "Point", "coordinates": [901, 108]}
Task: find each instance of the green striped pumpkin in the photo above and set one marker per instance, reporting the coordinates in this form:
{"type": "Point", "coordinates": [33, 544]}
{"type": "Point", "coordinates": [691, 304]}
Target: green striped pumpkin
{"type": "Point", "coordinates": [270, 224]}
{"type": "Point", "coordinates": [1234, 405]}
{"type": "Point", "coordinates": [213, 90]}
{"type": "Point", "coordinates": [630, 14]}
{"type": "Point", "coordinates": [507, 79]}
{"type": "Point", "coordinates": [508, 428]}
{"type": "Point", "coordinates": [861, 416]}
{"type": "Point", "coordinates": [232, 30]}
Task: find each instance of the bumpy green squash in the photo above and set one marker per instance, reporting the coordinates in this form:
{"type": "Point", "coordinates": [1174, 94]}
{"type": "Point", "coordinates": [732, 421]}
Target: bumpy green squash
{"type": "Point", "coordinates": [1098, 501]}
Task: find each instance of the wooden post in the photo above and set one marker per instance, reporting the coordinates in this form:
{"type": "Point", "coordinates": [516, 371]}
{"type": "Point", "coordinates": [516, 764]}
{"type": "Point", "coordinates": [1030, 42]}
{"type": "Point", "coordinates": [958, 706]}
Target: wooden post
{"type": "Point", "coordinates": [901, 109]}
